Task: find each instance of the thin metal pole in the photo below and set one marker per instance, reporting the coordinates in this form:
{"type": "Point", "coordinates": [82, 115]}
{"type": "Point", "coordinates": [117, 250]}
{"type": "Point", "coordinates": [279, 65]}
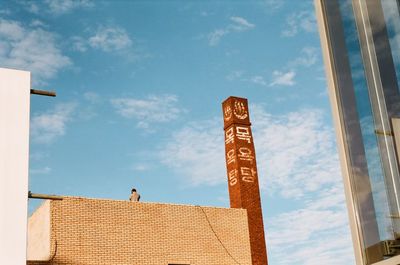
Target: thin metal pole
{"type": "Point", "coordinates": [43, 196]}
{"type": "Point", "coordinates": [43, 93]}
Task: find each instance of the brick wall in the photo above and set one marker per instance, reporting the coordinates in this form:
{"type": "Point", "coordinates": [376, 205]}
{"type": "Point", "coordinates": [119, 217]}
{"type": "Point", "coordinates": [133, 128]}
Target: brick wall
{"type": "Point", "coordinates": [92, 231]}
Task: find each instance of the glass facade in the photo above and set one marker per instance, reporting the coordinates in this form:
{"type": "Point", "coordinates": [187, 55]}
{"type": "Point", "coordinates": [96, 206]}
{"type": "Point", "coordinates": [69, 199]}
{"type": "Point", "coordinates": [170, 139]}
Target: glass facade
{"type": "Point", "coordinates": [392, 19]}
{"type": "Point", "coordinates": [362, 48]}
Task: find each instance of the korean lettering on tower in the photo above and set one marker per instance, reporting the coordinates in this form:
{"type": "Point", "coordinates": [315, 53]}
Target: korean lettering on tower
{"type": "Point", "coordinates": [239, 146]}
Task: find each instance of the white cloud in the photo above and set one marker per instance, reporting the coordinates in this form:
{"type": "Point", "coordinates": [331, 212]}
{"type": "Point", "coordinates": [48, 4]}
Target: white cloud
{"type": "Point", "coordinates": [300, 21]}
{"type": "Point", "coordinates": [79, 44]}
{"type": "Point", "coordinates": [259, 80]}
{"type": "Point", "coordinates": [89, 110]}
{"type": "Point", "coordinates": [11, 30]}
{"type": "Point", "coordinates": [30, 6]}
{"type": "Point", "coordinates": [295, 152]}
{"type": "Point", "coordinates": [40, 171]}
{"type": "Point", "coordinates": [234, 75]}
{"type": "Point", "coordinates": [396, 47]}
{"type": "Point", "coordinates": [55, 7]}
{"type": "Point", "coordinates": [92, 97]}
{"type": "Point", "coordinates": [215, 36]}
{"type": "Point", "coordinates": [197, 152]}
{"type": "Point", "coordinates": [141, 167]}
{"type": "Point", "coordinates": [5, 11]}
{"type": "Point", "coordinates": [239, 24]}
{"type": "Point", "coordinates": [110, 39]}
{"type": "Point", "coordinates": [38, 23]}
{"type": "Point", "coordinates": [307, 221]}
{"type": "Point", "coordinates": [391, 12]}
{"type": "Point", "coordinates": [105, 38]}
{"type": "Point", "coordinates": [279, 78]}
{"type": "Point", "coordinates": [240, 76]}
{"type": "Point", "coordinates": [37, 155]}
{"type": "Point", "coordinates": [32, 49]}
{"type": "Point", "coordinates": [274, 4]}
{"type": "Point", "coordinates": [315, 234]}
{"type": "Point", "coordinates": [283, 79]}
{"type": "Point", "coordinates": [297, 161]}
{"type": "Point", "coordinates": [46, 127]}
{"type": "Point", "coordinates": [307, 58]}
{"type": "Point", "coordinates": [153, 109]}
{"type": "Point", "coordinates": [64, 6]}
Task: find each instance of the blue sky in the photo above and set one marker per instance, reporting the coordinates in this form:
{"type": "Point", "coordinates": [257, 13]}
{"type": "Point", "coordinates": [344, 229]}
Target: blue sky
{"type": "Point", "coordinates": [139, 91]}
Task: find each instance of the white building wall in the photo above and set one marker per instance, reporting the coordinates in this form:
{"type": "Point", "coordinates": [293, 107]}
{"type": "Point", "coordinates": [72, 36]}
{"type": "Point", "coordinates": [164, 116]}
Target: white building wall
{"type": "Point", "coordinates": [14, 158]}
{"type": "Point", "coordinates": [39, 233]}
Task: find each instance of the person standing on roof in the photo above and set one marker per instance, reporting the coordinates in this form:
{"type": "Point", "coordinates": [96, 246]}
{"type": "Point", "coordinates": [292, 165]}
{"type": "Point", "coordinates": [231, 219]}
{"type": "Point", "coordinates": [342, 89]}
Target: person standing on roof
{"type": "Point", "coordinates": [135, 197]}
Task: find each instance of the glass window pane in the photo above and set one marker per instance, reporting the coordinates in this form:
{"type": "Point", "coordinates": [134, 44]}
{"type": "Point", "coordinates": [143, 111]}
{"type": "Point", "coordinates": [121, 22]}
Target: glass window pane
{"type": "Point", "coordinates": [392, 19]}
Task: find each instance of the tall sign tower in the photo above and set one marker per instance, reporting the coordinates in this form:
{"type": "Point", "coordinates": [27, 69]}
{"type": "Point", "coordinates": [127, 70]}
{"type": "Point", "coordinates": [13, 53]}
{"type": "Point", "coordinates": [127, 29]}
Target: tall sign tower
{"type": "Point", "coordinates": [241, 166]}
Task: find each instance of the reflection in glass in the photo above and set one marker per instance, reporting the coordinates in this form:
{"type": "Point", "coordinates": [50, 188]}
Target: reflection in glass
{"type": "Point", "coordinates": [365, 114]}
{"type": "Point", "coordinates": [364, 51]}
{"type": "Point", "coordinates": [392, 19]}
{"type": "Point", "coordinates": [384, 92]}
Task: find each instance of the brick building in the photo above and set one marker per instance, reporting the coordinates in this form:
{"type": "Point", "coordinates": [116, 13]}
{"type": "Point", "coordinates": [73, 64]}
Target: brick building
{"type": "Point", "coordinates": [82, 231]}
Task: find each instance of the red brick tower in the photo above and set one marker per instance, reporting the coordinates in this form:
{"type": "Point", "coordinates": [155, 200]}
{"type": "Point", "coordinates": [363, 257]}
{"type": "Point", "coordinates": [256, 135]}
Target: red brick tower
{"type": "Point", "coordinates": [241, 166]}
